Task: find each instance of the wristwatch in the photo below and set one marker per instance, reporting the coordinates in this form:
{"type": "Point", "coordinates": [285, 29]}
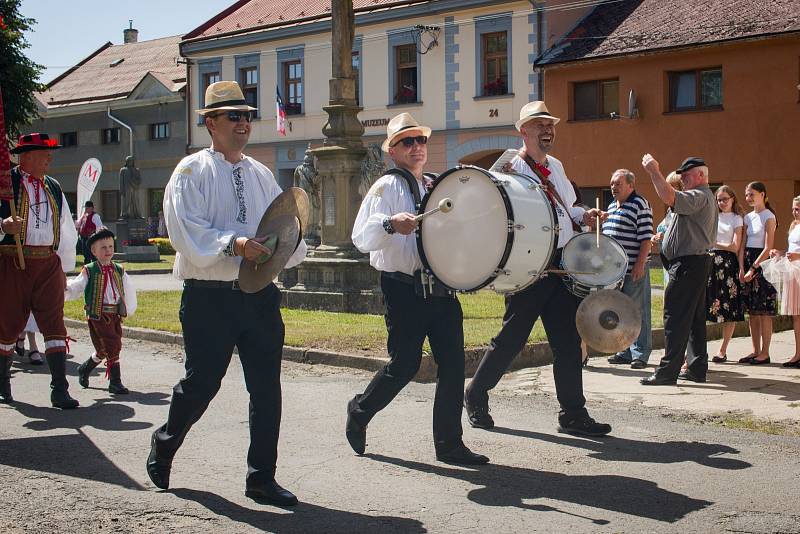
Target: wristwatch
{"type": "Point", "coordinates": [387, 225]}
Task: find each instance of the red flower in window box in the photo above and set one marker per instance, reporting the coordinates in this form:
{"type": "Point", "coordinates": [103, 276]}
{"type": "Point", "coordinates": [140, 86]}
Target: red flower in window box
{"type": "Point", "coordinates": [497, 87]}
{"type": "Point", "coordinates": [407, 93]}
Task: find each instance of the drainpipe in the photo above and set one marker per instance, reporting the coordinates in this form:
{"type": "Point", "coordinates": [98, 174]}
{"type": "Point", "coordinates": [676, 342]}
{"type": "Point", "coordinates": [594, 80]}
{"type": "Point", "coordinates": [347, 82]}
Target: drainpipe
{"type": "Point", "coordinates": [130, 130]}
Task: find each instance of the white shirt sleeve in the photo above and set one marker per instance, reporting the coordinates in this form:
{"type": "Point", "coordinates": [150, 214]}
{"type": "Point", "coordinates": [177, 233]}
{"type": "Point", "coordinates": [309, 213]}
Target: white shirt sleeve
{"type": "Point", "coordinates": [130, 294]}
{"type": "Point", "coordinates": [379, 203]}
{"type": "Point", "coordinates": [186, 215]}
{"type": "Point", "coordinates": [76, 286]}
{"type": "Point", "coordinates": [98, 223]}
{"type": "Point", "coordinates": [68, 239]}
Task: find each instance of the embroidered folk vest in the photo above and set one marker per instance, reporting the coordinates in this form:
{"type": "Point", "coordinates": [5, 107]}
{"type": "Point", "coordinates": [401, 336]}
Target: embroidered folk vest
{"type": "Point", "coordinates": [52, 190]}
{"type": "Point", "coordinates": [93, 294]}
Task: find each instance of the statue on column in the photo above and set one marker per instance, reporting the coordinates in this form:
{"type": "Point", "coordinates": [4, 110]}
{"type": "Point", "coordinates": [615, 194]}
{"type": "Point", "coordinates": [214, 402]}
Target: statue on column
{"type": "Point", "coordinates": [307, 177]}
{"type": "Point", "coordinates": [372, 168]}
{"type": "Point", "coordinates": [129, 181]}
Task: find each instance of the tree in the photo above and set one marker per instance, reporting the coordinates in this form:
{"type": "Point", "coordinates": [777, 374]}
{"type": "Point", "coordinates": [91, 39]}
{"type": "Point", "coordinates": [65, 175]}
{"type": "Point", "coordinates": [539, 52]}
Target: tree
{"type": "Point", "coordinates": [18, 74]}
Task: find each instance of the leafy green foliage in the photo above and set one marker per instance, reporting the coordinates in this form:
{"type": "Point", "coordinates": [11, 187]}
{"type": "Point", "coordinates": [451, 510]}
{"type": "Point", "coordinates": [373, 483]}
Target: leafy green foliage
{"type": "Point", "coordinates": [19, 74]}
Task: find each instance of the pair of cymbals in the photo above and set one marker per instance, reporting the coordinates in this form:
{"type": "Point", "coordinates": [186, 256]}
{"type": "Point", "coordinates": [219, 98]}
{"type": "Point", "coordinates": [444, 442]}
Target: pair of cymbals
{"type": "Point", "coordinates": [608, 321]}
{"type": "Point", "coordinates": [287, 217]}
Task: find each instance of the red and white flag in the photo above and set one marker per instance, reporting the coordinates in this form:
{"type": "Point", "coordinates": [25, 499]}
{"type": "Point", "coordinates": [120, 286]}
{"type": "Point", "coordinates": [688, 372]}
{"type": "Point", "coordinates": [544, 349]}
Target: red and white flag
{"type": "Point", "coordinates": [280, 112]}
{"type": "Point", "coordinates": [6, 190]}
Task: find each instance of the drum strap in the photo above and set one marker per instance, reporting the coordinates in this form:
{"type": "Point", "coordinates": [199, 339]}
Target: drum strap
{"type": "Point", "coordinates": [541, 172]}
{"type": "Point", "coordinates": [412, 183]}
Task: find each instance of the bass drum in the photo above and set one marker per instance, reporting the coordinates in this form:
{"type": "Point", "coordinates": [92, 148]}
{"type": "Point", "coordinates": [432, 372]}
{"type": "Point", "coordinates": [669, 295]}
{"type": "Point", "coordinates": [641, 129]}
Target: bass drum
{"type": "Point", "coordinates": [500, 233]}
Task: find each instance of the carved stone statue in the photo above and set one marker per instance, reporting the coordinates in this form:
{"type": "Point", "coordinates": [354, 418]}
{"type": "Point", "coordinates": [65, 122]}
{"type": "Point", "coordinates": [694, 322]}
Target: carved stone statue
{"type": "Point", "coordinates": [372, 168]}
{"type": "Point", "coordinates": [307, 177]}
{"type": "Point", "coordinates": [129, 181]}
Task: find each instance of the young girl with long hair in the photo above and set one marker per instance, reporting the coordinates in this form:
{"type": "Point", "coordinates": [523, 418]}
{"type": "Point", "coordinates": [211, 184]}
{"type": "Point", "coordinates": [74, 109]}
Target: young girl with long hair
{"type": "Point", "coordinates": [760, 297]}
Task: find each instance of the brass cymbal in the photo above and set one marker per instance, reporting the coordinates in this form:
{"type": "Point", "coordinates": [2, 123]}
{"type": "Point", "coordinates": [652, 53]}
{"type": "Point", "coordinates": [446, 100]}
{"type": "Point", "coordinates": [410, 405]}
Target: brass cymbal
{"type": "Point", "coordinates": [293, 201]}
{"type": "Point", "coordinates": [608, 321]}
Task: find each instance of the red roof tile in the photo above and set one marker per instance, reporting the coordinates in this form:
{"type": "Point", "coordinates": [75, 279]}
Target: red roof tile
{"type": "Point", "coordinates": [96, 79]}
{"type": "Point", "coordinates": [631, 26]}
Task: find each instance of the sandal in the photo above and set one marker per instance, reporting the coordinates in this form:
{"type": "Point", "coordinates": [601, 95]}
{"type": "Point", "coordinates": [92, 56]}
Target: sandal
{"type": "Point", "coordinates": [19, 350]}
{"type": "Point", "coordinates": [720, 358]}
{"type": "Point", "coordinates": [759, 362]}
{"type": "Point", "coordinates": [35, 357]}
{"type": "Point", "coordinates": [748, 359]}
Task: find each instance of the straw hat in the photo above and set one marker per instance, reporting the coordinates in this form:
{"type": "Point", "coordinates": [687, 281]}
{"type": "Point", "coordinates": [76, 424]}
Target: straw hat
{"type": "Point", "coordinates": [534, 110]}
{"type": "Point", "coordinates": [402, 124]}
{"type": "Point", "coordinates": [224, 96]}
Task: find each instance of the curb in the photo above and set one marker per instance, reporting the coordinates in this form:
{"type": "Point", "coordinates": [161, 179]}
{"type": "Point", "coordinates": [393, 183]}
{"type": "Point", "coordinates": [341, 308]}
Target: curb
{"type": "Point", "coordinates": [532, 355]}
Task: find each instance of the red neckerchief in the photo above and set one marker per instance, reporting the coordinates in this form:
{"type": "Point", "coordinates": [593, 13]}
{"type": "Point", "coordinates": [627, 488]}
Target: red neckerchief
{"type": "Point", "coordinates": [108, 273]}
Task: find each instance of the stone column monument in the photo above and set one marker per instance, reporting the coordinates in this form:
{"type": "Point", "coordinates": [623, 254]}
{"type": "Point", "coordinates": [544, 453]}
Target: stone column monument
{"type": "Point", "coordinates": [132, 244]}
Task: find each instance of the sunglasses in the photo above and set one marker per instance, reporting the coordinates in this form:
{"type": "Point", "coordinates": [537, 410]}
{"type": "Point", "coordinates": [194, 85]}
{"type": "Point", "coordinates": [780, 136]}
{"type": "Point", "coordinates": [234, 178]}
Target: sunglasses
{"type": "Point", "coordinates": [409, 141]}
{"type": "Point", "coordinates": [236, 116]}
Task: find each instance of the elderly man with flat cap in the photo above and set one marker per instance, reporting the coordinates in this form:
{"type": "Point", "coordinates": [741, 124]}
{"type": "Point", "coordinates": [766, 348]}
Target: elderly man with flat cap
{"type": "Point", "coordinates": [44, 224]}
{"type": "Point", "coordinates": [213, 204]}
{"type": "Point", "coordinates": [547, 298]}
{"type": "Point", "coordinates": [385, 227]}
{"type": "Point", "coordinates": [684, 252]}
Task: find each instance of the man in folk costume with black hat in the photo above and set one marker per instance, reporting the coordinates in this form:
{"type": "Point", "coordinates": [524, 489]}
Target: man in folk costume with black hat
{"type": "Point", "coordinates": [47, 233]}
{"type": "Point", "coordinates": [87, 225]}
{"type": "Point", "coordinates": [385, 227]}
{"type": "Point", "coordinates": [110, 297]}
{"type": "Point", "coordinates": [213, 204]}
{"type": "Point", "coordinates": [548, 297]}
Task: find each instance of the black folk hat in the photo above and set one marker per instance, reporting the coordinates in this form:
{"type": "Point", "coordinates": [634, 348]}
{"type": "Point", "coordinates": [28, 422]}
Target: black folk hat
{"type": "Point", "coordinates": [101, 233]}
{"type": "Point", "coordinates": [690, 163]}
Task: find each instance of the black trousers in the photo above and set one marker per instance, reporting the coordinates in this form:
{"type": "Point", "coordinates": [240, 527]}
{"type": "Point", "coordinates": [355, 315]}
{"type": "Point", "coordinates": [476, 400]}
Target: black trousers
{"type": "Point", "coordinates": [215, 320]}
{"type": "Point", "coordinates": [549, 299]}
{"type": "Point", "coordinates": [685, 316]}
{"type": "Point", "coordinates": [409, 319]}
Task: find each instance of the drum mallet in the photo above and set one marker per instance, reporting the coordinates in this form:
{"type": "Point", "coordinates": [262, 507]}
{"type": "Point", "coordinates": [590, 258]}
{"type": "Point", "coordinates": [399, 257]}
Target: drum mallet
{"type": "Point", "coordinates": [597, 204]}
{"type": "Point", "coordinates": [445, 205]}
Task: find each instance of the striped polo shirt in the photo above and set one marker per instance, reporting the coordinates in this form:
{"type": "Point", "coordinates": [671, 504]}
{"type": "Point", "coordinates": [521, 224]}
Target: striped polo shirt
{"type": "Point", "coordinates": [630, 224]}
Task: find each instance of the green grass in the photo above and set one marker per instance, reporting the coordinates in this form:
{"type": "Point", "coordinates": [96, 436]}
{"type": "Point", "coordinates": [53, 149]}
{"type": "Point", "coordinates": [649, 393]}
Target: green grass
{"type": "Point", "coordinates": [345, 332]}
{"type": "Point", "coordinates": [166, 262]}
{"type": "Point", "coordinates": [657, 277]}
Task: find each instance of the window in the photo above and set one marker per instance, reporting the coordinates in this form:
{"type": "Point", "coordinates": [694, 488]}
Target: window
{"type": "Point", "coordinates": [293, 86]}
{"type": "Point", "coordinates": [406, 66]}
{"type": "Point", "coordinates": [249, 80]}
{"type": "Point", "coordinates": [159, 130]}
{"type": "Point", "coordinates": [110, 136]}
{"type": "Point", "coordinates": [110, 205]}
{"type": "Point", "coordinates": [695, 90]}
{"type": "Point", "coordinates": [595, 100]}
{"type": "Point", "coordinates": [356, 64]}
{"type": "Point", "coordinates": [155, 201]}
{"type": "Point", "coordinates": [69, 139]}
{"type": "Point", "coordinates": [494, 47]}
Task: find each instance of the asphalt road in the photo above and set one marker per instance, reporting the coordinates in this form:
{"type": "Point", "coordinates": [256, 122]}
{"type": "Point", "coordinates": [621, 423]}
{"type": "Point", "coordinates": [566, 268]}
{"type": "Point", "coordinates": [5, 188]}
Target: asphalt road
{"type": "Point", "coordinates": [83, 471]}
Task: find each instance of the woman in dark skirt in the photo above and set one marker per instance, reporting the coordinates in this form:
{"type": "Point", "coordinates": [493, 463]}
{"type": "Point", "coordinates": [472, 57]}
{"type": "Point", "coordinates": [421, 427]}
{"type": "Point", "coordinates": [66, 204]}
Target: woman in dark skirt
{"type": "Point", "coordinates": [724, 290]}
{"type": "Point", "coordinates": [760, 297]}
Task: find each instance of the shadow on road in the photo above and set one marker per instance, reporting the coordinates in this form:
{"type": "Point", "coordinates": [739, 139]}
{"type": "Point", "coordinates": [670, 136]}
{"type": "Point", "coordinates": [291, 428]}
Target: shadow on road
{"type": "Point", "coordinates": [304, 517]}
{"type": "Point", "coordinates": [104, 414]}
{"type": "Point", "coordinates": [512, 486]}
{"type": "Point", "coordinates": [614, 449]}
{"type": "Point", "coordinates": [73, 455]}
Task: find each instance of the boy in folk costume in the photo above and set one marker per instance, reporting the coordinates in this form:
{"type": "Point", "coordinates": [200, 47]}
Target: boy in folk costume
{"type": "Point", "coordinates": [43, 224]}
{"type": "Point", "coordinates": [109, 296]}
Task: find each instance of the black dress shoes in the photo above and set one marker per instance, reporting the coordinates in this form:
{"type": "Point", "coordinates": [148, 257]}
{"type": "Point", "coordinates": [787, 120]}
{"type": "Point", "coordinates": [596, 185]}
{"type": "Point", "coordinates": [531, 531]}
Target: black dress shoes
{"type": "Point", "coordinates": [272, 493]}
{"type": "Point", "coordinates": [460, 455]}
{"type": "Point", "coordinates": [688, 375]}
{"type": "Point", "coordinates": [158, 467]}
{"type": "Point", "coordinates": [355, 432]}
{"type": "Point", "coordinates": [478, 413]}
{"type": "Point", "coordinates": [583, 425]}
{"type": "Point", "coordinates": [654, 380]}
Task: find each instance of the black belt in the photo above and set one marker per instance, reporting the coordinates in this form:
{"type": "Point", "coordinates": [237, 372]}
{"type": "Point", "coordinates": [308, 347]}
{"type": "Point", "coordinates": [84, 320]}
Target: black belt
{"type": "Point", "coordinates": [400, 277]}
{"type": "Point", "coordinates": [212, 284]}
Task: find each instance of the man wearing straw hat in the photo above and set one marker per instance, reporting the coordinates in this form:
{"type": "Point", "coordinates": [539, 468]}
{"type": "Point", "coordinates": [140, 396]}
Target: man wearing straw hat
{"type": "Point", "coordinates": [48, 236]}
{"type": "Point", "coordinates": [385, 227]}
{"type": "Point", "coordinates": [213, 204]}
{"type": "Point", "coordinates": [547, 298]}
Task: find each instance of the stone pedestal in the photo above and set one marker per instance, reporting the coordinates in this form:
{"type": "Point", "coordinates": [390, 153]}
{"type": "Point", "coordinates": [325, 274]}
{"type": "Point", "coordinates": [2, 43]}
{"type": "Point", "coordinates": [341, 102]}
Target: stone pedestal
{"type": "Point", "coordinates": [333, 284]}
{"type": "Point", "coordinates": [132, 242]}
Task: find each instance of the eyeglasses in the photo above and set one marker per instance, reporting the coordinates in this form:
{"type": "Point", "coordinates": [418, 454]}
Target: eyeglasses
{"type": "Point", "coordinates": [723, 199]}
{"type": "Point", "coordinates": [236, 116]}
{"type": "Point", "coordinates": [409, 141]}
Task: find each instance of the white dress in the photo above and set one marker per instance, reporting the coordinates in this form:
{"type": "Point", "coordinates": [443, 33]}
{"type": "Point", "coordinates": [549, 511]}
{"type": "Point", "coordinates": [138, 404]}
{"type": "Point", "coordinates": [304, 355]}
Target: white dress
{"type": "Point", "coordinates": [785, 276]}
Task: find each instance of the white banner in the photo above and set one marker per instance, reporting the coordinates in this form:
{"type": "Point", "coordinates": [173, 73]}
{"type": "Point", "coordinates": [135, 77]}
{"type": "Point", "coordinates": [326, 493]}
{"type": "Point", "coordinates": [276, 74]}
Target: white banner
{"type": "Point", "coordinates": [87, 181]}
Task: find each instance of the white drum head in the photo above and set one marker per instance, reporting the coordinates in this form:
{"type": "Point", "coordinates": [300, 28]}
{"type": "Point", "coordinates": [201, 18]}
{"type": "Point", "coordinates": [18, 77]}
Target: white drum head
{"type": "Point", "coordinates": [464, 247]}
{"type": "Point", "coordinates": [607, 263]}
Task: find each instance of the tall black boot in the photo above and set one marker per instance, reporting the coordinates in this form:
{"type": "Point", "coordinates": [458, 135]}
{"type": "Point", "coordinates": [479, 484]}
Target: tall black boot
{"type": "Point", "coordinates": [84, 370]}
{"type": "Point", "coordinates": [115, 386]}
{"type": "Point", "coordinates": [5, 379]}
{"type": "Point", "coordinates": [59, 397]}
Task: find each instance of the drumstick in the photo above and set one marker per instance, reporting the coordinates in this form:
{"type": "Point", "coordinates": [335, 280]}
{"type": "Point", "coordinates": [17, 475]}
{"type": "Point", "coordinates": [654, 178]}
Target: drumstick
{"type": "Point", "coordinates": [598, 221]}
{"type": "Point", "coordinates": [445, 205]}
